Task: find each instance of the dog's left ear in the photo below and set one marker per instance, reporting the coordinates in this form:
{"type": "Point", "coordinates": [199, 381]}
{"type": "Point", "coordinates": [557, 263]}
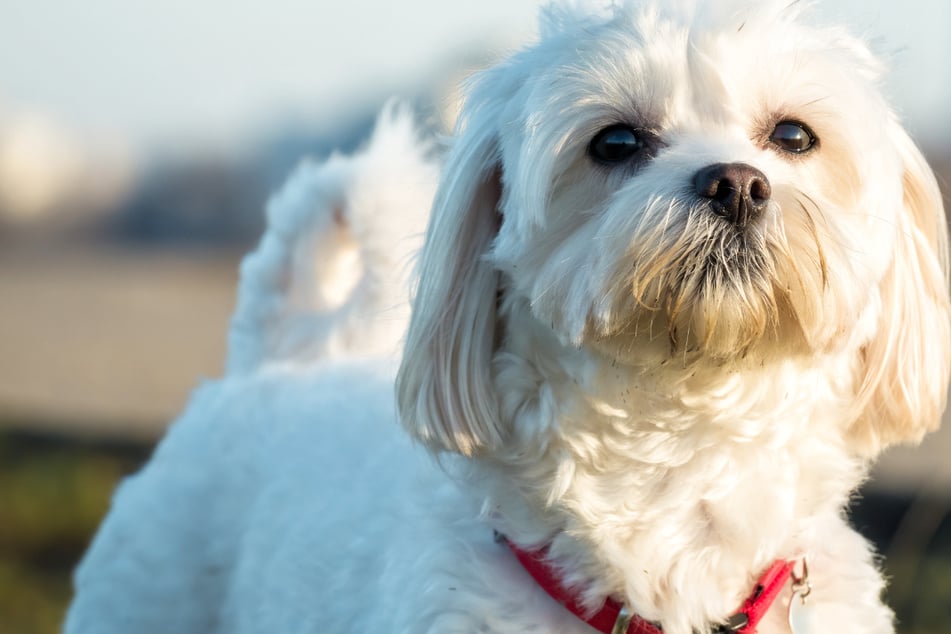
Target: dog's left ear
{"type": "Point", "coordinates": [445, 389]}
{"type": "Point", "coordinates": [906, 365]}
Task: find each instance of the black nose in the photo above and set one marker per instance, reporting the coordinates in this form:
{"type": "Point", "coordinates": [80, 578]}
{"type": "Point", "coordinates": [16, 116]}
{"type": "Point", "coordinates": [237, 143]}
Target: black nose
{"type": "Point", "coordinates": [737, 191]}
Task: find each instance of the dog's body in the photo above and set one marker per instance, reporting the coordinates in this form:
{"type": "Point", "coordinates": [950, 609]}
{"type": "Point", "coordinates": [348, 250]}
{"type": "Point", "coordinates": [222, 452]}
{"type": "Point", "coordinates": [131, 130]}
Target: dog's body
{"type": "Point", "coordinates": [232, 528]}
{"type": "Point", "coordinates": [686, 275]}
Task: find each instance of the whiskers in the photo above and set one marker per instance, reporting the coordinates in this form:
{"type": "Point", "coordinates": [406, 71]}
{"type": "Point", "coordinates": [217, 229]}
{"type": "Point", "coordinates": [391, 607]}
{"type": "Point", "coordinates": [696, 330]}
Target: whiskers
{"type": "Point", "coordinates": [720, 289]}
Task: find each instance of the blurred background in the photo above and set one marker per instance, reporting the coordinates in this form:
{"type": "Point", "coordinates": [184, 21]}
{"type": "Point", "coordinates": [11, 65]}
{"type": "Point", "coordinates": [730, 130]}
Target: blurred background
{"type": "Point", "coordinates": [138, 144]}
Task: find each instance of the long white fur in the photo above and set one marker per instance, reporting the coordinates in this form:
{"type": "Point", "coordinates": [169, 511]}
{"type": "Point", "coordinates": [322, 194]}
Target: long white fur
{"type": "Point", "coordinates": [669, 436]}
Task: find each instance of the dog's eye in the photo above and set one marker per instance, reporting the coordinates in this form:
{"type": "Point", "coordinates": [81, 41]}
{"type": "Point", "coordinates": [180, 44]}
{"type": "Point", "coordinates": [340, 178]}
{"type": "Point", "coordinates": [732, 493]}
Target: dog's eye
{"type": "Point", "coordinates": [615, 144]}
{"type": "Point", "coordinates": [792, 136]}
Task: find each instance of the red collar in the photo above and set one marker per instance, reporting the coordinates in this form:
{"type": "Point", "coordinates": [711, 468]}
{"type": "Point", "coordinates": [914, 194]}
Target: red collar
{"type": "Point", "coordinates": [613, 618]}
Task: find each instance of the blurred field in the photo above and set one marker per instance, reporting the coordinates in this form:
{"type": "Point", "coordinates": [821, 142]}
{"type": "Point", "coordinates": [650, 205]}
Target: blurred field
{"type": "Point", "coordinates": [108, 340]}
{"type": "Point", "coordinates": [54, 494]}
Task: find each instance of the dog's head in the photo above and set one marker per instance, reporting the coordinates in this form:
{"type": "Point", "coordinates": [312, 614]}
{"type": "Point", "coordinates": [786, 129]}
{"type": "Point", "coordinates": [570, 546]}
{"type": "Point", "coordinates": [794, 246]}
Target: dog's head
{"type": "Point", "coordinates": [693, 181]}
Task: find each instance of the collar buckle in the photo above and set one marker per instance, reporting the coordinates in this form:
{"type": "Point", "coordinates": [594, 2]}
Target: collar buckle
{"type": "Point", "coordinates": [735, 623]}
{"type": "Point", "coordinates": [623, 621]}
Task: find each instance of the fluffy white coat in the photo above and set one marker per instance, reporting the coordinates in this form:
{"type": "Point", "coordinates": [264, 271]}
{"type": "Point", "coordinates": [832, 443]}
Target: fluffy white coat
{"type": "Point", "coordinates": [600, 364]}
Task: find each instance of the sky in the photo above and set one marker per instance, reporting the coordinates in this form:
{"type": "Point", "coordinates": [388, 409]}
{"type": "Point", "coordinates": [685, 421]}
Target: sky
{"type": "Point", "coordinates": [154, 73]}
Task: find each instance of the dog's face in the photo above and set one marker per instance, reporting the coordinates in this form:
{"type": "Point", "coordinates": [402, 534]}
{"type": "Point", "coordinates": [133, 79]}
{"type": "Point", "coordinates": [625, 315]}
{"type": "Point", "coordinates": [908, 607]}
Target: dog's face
{"type": "Point", "coordinates": [707, 185]}
{"type": "Point", "coordinates": [700, 181]}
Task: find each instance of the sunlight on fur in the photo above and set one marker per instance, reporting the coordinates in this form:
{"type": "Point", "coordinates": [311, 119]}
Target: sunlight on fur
{"type": "Point", "coordinates": [685, 277]}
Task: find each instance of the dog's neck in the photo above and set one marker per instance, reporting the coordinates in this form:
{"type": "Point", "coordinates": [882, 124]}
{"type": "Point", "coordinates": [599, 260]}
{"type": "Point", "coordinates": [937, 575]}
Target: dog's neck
{"type": "Point", "coordinates": [669, 486]}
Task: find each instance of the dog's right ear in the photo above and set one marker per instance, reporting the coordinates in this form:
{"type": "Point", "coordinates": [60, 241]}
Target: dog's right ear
{"type": "Point", "coordinates": [907, 363]}
{"type": "Point", "coordinates": [444, 386]}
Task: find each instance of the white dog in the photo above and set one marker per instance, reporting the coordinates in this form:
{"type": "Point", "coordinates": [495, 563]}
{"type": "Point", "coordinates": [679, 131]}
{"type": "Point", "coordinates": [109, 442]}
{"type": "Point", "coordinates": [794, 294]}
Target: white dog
{"type": "Point", "coordinates": [685, 276]}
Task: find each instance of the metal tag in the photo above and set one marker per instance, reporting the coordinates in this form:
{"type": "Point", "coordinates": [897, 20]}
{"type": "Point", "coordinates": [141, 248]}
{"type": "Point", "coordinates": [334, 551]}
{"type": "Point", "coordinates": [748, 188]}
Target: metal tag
{"type": "Point", "coordinates": [801, 617]}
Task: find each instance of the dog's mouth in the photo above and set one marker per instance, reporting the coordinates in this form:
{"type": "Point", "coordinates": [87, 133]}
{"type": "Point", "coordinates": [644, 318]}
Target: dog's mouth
{"type": "Point", "coordinates": [709, 287]}
{"type": "Point", "coordinates": [721, 296]}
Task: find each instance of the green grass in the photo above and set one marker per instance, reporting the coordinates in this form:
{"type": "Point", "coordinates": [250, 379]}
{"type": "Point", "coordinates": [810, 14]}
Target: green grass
{"type": "Point", "coordinates": [53, 494]}
{"type": "Point", "coordinates": [55, 491]}
{"type": "Point", "coordinates": [925, 603]}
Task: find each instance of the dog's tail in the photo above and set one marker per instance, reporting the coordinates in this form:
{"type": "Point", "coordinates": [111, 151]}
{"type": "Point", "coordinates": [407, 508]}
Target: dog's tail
{"type": "Point", "coordinates": [331, 274]}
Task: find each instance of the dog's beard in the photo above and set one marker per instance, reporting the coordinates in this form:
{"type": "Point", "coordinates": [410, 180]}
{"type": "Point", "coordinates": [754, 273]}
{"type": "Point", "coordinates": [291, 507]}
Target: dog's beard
{"type": "Point", "coordinates": [714, 290]}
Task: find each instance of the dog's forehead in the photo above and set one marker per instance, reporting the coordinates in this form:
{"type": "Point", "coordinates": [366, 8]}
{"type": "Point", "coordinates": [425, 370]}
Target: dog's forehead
{"type": "Point", "coordinates": [667, 62]}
